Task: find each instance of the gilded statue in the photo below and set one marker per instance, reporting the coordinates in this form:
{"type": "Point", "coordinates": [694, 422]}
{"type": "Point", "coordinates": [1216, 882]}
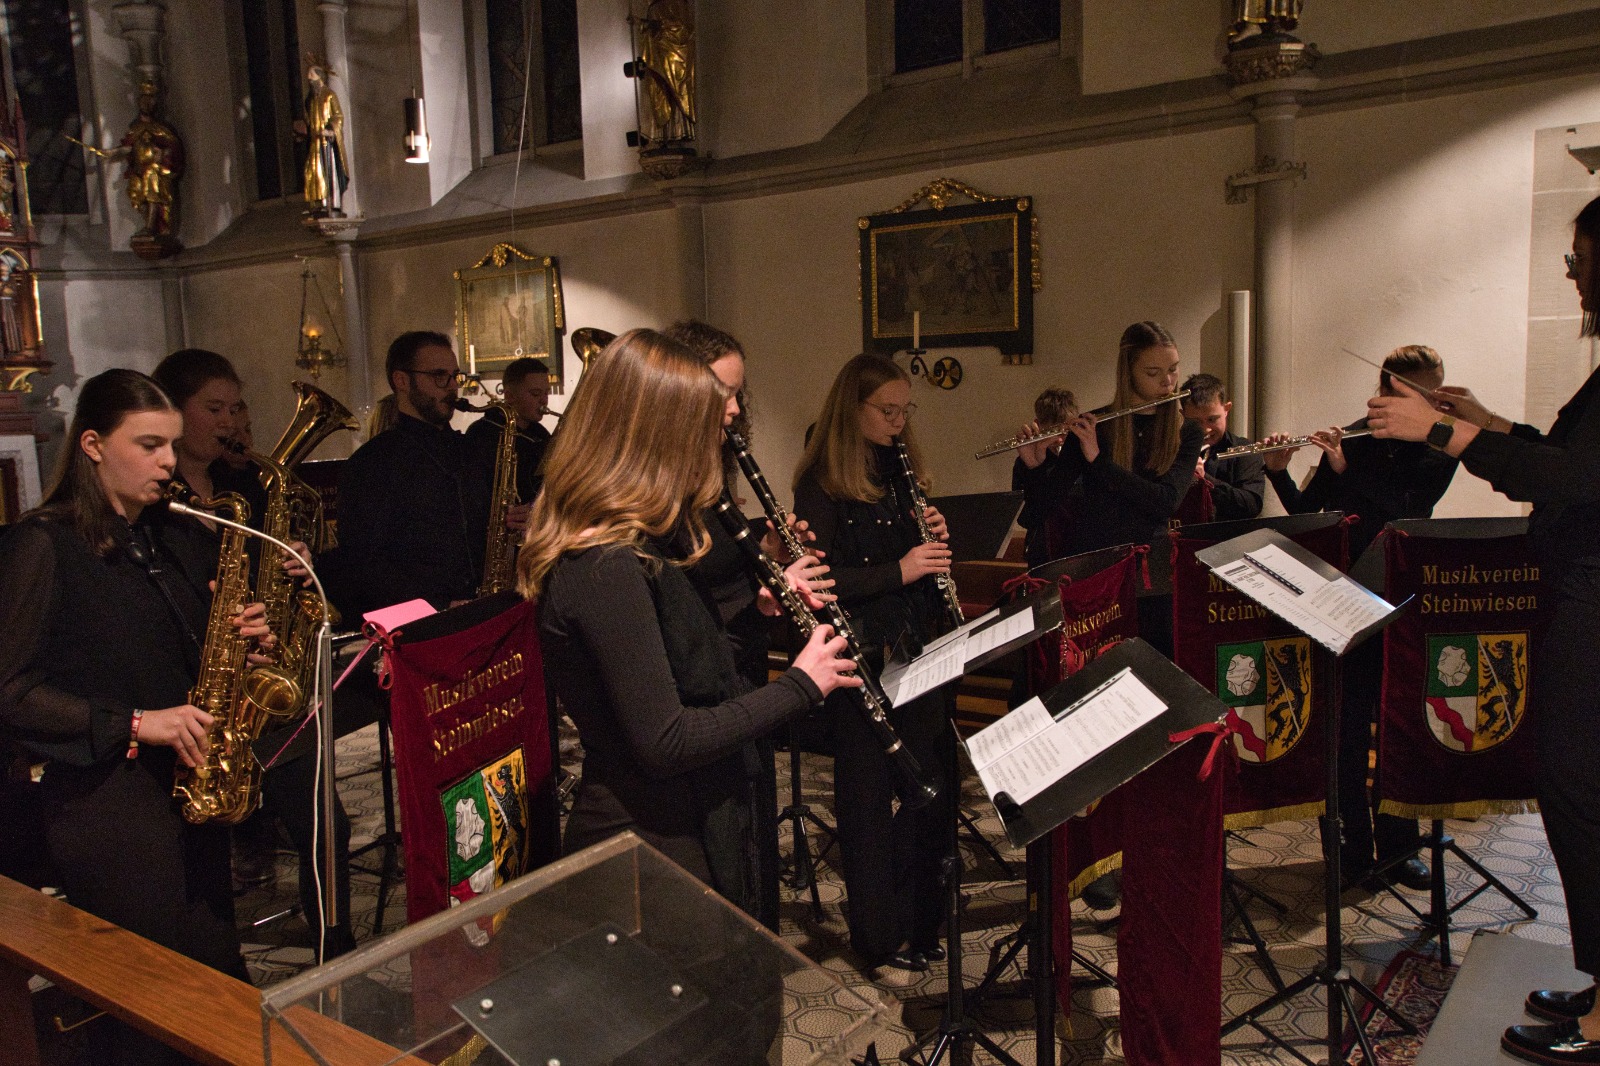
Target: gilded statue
{"type": "Point", "coordinates": [327, 172]}
{"type": "Point", "coordinates": [1263, 19]}
{"type": "Point", "coordinates": [666, 52]}
{"type": "Point", "coordinates": [152, 162]}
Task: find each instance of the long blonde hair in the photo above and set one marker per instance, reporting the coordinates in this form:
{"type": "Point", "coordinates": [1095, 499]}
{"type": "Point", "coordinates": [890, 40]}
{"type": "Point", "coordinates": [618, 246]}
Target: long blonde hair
{"type": "Point", "coordinates": [1136, 340]}
{"type": "Point", "coordinates": [636, 457]}
{"type": "Point", "coordinates": [837, 450]}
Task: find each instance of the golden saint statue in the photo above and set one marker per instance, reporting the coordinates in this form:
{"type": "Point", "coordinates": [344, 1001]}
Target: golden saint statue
{"type": "Point", "coordinates": [152, 161]}
{"type": "Point", "coordinates": [327, 172]}
{"type": "Point", "coordinates": [666, 40]}
{"type": "Point", "coordinates": [1263, 18]}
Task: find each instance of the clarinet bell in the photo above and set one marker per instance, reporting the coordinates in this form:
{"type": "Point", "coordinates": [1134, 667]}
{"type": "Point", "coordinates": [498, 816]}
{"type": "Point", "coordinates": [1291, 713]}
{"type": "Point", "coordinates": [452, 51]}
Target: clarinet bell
{"type": "Point", "coordinates": [911, 784]}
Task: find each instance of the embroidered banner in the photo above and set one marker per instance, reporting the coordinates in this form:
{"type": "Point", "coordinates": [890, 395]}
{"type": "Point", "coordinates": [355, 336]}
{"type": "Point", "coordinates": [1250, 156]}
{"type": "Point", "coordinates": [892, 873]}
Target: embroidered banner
{"type": "Point", "coordinates": [1454, 739]}
{"type": "Point", "coordinates": [473, 755]}
{"type": "Point", "coordinates": [1261, 667]}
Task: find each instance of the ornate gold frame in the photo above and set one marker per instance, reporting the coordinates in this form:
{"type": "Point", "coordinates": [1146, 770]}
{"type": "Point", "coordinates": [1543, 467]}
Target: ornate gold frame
{"type": "Point", "coordinates": [508, 305]}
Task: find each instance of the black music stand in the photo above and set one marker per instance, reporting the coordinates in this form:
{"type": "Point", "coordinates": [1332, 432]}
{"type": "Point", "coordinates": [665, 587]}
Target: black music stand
{"type": "Point", "coordinates": [1032, 823]}
{"type": "Point", "coordinates": [980, 637]}
{"type": "Point", "coordinates": [1373, 571]}
{"type": "Point", "coordinates": [1243, 562]}
{"type": "Point", "coordinates": [980, 522]}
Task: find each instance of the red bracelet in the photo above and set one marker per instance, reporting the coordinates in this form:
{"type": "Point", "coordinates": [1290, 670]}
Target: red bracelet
{"type": "Point", "coordinates": [133, 737]}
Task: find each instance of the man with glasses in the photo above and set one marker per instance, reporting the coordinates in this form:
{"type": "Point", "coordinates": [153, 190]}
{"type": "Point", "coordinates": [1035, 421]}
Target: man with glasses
{"type": "Point", "coordinates": [414, 500]}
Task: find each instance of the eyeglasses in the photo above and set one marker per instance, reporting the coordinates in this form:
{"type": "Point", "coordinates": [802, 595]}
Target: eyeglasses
{"type": "Point", "coordinates": [894, 411]}
{"type": "Point", "coordinates": [1573, 259]}
{"type": "Point", "coordinates": [441, 378]}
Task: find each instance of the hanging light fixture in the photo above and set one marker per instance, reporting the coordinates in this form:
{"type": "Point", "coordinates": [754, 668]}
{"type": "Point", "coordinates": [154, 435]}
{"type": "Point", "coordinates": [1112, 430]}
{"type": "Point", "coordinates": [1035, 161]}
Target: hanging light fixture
{"type": "Point", "coordinates": [416, 130]}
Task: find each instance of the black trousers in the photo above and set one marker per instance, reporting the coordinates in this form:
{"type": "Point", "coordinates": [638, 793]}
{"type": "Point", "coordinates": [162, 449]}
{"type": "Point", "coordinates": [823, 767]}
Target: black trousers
{"type": "Point", "coordinates": [892, 856]}
{"type": "Point", "coordinates": [1364, 830]}
{"type": "Point", "coordinates": [124, 854]}
{"type": "Point", "coordinates": [290, 792]}
{"type": "Point", "coordinates": [1569, 755]}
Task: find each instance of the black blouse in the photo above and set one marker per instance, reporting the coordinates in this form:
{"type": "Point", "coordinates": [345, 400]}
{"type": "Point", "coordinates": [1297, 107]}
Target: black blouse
{"type": "Point", "coordinates": [88, 639]}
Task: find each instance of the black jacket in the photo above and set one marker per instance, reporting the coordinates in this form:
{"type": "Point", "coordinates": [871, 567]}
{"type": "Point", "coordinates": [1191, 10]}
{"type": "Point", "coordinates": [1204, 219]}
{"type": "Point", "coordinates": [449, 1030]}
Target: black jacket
{"type": "Point", "coordinates": [483, 439]}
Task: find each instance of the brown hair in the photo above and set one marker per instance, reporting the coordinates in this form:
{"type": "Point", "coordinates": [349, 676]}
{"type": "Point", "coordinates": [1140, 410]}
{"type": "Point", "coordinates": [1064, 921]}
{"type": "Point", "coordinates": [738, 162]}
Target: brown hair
{"type": "Point", "coordinates": [188, 370]}
{"type": "Point", "coordinates": [1408, 361]}
{"type": "Point", "coordinates": [1587, 223]}
{"type": "Point", "coordinates": [712, 344]}
{"type": "Point", "coordinates": [837, 450]}
{"type": "Point", "coordinates": [1136, 340]}
{"type": "Point", "coordinates": [1054, 406]}
{"type": "Point", "coordinates": [636, 457]}
{"type": "Point", "coordinates": [1202, 389]}
{"type": "Point", "coordinates": [76, 495]}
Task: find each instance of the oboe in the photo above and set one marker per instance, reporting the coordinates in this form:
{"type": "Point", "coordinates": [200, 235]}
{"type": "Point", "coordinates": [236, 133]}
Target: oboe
{"type": "Point", "coordinates": [919, 506]}
{"type": "Point", "coordinates": [911, 784]}
{"type": "Point", "coordinates": [1262, 447]}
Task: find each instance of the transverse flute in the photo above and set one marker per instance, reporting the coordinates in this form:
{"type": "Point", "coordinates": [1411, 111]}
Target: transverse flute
{"type": "Point", "coordinates": [1262, 447]}
{"type": "Point", "coordinates": [1011, 444]}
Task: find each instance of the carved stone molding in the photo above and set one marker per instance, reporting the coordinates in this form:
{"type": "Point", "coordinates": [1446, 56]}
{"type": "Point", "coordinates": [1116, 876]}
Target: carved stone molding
{"type": "Point", "coordinates": [1270, 62]}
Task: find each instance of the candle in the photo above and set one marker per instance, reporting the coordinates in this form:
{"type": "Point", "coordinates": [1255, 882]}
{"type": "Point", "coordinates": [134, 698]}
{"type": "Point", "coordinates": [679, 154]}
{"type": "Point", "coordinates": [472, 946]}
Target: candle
{"type": "Point", "coordinates": [472, 358]}
{"type": "Point", "coordinates": [916, 329]}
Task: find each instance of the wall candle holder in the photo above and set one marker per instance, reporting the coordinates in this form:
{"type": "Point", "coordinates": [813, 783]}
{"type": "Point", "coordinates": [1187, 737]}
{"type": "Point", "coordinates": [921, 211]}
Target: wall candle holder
{"type": "Point", "coordinates": [945, 373]}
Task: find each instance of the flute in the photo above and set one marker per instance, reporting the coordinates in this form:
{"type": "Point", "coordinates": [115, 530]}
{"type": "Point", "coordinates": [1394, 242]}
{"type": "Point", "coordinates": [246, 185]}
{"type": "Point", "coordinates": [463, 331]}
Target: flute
{"type": "Point", "coordinates": [1011, 444]}
{"type": "Point", "coordinates": [919, 505]}
{"type": "Point", "coordinates": [1262, 447]}
{"type": "Point", "coordinates": [911, 782]}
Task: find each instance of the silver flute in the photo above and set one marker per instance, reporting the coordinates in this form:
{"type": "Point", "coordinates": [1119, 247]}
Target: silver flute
{"type": "Point", "coordinates": [1011, 444]}
{"type": "Point", "coordinates": [1261, 447]}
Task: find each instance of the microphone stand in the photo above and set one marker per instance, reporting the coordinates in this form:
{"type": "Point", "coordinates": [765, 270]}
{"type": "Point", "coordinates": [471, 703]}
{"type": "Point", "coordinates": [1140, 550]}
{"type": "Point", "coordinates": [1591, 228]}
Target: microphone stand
{"type": "Point", "coordinates": [320, 706]}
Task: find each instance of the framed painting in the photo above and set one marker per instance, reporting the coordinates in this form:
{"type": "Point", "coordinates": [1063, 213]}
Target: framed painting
{"type": "Point", "coordinates": [508, 305]}
{"type": "Point", "coordinates": [950, 274]}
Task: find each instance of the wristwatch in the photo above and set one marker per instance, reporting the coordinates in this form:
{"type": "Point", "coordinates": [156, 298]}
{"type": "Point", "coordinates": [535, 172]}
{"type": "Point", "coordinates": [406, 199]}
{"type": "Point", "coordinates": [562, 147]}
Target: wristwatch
{"type": "Point", "coordinates": [1441, 433]}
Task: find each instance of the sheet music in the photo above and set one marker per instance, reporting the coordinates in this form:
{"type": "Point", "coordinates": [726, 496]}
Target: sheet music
{"type": "Point", "coordinates": [1010, 628]}
{"type": "Point", "coordinates": [903, 682]}
{"type": "Point", "coordinates": [1330, 612]}
{"type": "Point", "coordinates": [1039, 757]}
{"type": "Point", "coordinates": [1016, 727]}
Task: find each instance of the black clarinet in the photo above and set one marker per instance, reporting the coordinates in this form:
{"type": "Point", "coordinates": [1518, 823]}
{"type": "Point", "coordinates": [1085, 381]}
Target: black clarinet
{"type": "Point", "coordinates": [911, 784]}
{"type": "Point", "coordinates": [919, 503]}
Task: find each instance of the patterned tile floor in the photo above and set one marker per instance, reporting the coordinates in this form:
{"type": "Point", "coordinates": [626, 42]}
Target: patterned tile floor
{"type": "Point", "coordinates": [1283, 861]}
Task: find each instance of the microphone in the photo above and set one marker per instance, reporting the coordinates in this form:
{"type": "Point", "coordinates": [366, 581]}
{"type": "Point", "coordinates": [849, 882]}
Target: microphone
{"type": "Point", "coordinates": [321, 708]}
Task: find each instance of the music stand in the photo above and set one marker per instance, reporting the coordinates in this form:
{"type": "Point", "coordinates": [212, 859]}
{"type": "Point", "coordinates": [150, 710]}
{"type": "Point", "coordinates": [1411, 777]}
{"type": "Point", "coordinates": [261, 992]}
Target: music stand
{"type": "Point", "coordinates": [1372, 566]}
{"type": "Point", "coordinates": [1133, 748]}
{"type": "Point", "coordinates": [1338, 614]}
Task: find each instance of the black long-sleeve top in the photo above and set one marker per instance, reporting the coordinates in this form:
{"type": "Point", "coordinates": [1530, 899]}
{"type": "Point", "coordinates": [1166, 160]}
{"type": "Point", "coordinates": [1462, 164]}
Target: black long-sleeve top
{"type": "Point", "coordinates": [1558, 472]}
{"type": "Point", "coordinates": [638, 659]}
{"type": "Point", "coordinates": [1384, 480]}
{"type": "Point", "coordinates": [1238, 485]}
{"type": "Point", "coordinates": [864, 543]}
{"type": "Point", "coordinates": [413, 518]}
{"type": "Point", "coordinates": [1107, 504]}
{"type": "Point", "coordinates": [88, 639]}
{"type": "Point", "coordinates": [483, 439]}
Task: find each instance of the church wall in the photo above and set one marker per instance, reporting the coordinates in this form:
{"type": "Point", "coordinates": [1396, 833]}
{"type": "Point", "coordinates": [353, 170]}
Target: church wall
{"type": "Point", "coordinates": [1127, 45]}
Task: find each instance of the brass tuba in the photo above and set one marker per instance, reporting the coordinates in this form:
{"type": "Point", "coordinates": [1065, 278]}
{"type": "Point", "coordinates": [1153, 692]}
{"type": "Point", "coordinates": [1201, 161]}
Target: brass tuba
{"type": "Point", "coordinates": [240, 698]}
{"type": "Point", "coordinates": [589, 342]}
{"type": "Point", "coordinates": [294, 513]}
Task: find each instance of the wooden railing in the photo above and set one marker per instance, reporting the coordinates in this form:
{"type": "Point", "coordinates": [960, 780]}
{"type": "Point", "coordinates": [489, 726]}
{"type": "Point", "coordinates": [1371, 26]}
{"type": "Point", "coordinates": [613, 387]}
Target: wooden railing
{"type": "Point", "coordinates": [208, 1016]}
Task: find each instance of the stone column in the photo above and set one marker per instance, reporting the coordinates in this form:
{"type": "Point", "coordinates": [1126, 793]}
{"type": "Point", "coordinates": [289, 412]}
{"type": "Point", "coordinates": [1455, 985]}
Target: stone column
{"type": "Point", "coordinates": [1271, 76]}
{"type": "Point", "coordinates": [355, 324]}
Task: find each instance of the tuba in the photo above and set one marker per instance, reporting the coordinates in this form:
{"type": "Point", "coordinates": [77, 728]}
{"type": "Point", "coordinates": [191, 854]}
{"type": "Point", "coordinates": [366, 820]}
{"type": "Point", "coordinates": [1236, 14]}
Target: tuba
{"type": "Point", "coordinates": [294, 513]}
{"type": "Point", "coordinates": [240, 698]}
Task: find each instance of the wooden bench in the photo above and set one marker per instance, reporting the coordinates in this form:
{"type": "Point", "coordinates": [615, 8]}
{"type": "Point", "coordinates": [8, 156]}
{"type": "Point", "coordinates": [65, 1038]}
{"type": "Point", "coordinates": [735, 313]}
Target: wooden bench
{"type": "Point", "coordinates": [209, 1016]}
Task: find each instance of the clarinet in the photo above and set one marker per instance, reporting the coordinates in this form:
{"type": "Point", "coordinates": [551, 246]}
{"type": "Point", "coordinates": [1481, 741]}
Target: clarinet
{"type": "Point", "coordinates": [919, 505]}
{"type": "Point", "coordinates": [911, 783]}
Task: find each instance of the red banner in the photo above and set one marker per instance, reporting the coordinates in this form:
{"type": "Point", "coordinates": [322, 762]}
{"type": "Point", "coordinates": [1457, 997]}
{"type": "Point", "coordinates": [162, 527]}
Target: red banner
{"type": "Point", "coordinates": [473, 753]}
{"type": "Point", "coordinates": [1454, 740]}
{"type": "Point", "coordinates": [1261, 667]}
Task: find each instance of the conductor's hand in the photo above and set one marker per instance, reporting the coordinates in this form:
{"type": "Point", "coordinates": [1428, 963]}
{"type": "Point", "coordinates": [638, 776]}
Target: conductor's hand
{"type": "Point", "coordinates": [1278, 460]}
{"type": "Point", "coordinates": [822, 661]}
{"type": "Point", "coordinates": [923, 560]}
{"type": "Point", "coordinates": [1033, 454]}
{"type": "Point", "coordinates": [1458, 401]}
{"type": "Point", "coordinates": [183, 729]}
{"type": "Point", "coordinates": [936, 523]}
{"type": "Point", "coordinates": [1407, 415]}
{"type": "Point", "coordinates": [1082, 427]}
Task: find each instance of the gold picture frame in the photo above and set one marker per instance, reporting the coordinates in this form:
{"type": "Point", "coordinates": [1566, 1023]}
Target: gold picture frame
{"type": "Point", "coordinates": [508, 305]}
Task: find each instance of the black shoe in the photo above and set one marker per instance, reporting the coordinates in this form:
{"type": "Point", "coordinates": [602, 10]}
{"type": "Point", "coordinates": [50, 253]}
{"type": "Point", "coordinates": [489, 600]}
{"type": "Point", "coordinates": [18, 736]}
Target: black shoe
{"type": "Point", "coordinates": [1413, 874]}
{"type": "Point", "coordinates": [1553, 1044]}
{"type": "Point", "coordinates": [914, 961]}
{"type": "Point", "coordinates": [934, 952]}
{"type": "Point", "coordinates": [1104, 892]}
{"type": "Point", "coordinates": [1555, 1006]}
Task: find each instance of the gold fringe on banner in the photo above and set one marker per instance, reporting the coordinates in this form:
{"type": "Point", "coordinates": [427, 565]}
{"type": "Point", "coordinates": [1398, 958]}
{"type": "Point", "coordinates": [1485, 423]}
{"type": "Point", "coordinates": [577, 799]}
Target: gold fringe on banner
{"type": "Point", "coordinates": [1254, 819]}
{"type": "Point", "coordinates": [1468, 809]}
{"type": "Point", "coordinates": [1094, 873]}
